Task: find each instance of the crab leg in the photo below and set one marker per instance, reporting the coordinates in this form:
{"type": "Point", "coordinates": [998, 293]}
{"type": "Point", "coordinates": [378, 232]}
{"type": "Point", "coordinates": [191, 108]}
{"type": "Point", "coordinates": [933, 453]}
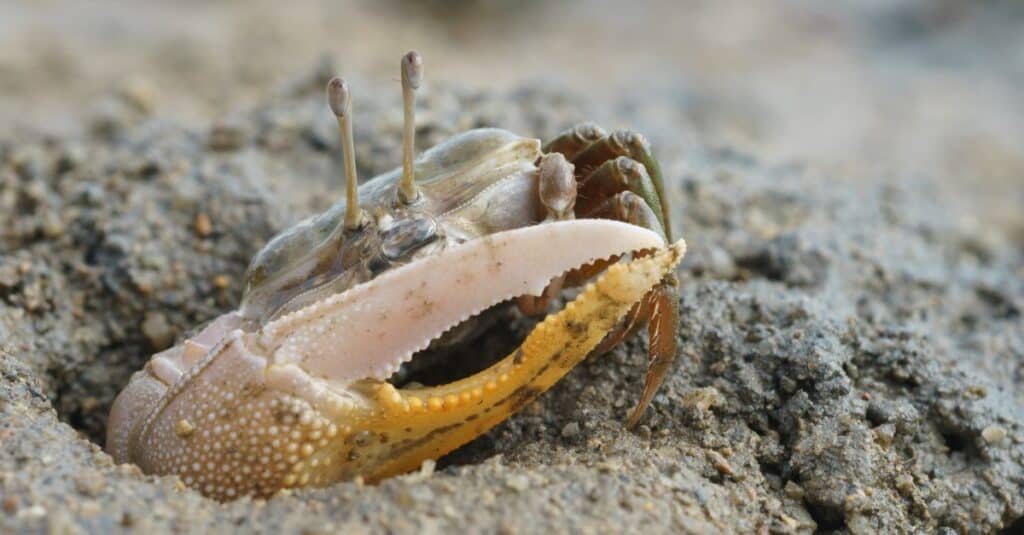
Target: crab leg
{"type": "Point", "coordinates": [635, 146]}
{"type": "Point", "coordinates": [574, 140]}
{"type": "Point", "coordinates": [597, 197]}
{"type": "Point", "coordinates": [616, 176]}
{"type": "Point", "coordinates": [627, 207]}
{"type": "Point", "coordinates": [662, 307]}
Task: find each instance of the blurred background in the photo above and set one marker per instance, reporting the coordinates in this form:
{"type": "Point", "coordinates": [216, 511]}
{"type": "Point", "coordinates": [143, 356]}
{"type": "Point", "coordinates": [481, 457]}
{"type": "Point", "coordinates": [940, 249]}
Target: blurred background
{"type": "Point", "coordinates": [867, 89]}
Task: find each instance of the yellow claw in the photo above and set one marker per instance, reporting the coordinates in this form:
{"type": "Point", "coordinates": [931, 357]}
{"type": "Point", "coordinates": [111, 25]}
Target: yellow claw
{"type": "Point", "coordinates": [465, 409]}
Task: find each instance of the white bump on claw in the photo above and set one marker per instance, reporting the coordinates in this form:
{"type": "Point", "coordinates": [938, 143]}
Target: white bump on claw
{"type": "Point", "coordinates": [164, 369]}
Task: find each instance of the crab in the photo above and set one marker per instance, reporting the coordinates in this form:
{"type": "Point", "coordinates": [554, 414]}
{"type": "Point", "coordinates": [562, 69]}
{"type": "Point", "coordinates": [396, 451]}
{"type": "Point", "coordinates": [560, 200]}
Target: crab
{"type": "Point", "coordinates": [297, 387]}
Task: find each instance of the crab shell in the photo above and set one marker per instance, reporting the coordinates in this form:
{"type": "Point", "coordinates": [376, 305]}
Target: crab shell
{"type": "Point", "coordinates": [303, 401]}
{"type": "Point", "coordinates": [476, 183]}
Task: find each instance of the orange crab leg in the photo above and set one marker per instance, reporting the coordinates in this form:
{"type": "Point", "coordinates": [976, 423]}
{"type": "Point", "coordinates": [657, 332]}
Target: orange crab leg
{"type": "Point", "coordinates": [658, 309]}
{"type": "Point", "coordinates": [662, 307]}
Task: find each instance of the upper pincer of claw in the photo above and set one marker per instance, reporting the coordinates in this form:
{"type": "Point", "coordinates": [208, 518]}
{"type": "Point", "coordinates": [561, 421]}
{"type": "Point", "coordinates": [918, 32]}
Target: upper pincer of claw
{"type": "Point", "coordinates": [302, 400]}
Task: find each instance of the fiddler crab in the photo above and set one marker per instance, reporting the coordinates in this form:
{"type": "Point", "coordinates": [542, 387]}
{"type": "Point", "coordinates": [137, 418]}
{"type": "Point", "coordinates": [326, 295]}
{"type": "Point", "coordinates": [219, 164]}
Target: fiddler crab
{"type": "Point", "coordinates": [292, 389]}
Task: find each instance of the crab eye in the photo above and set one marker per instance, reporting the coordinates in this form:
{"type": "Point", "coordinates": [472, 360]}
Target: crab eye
{"type": "Point", "coordinates": [407, 236]}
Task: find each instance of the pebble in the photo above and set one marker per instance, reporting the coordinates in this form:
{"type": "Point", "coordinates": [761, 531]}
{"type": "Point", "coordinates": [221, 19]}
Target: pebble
{"type": "Point", "coordinates": [9, 276]}
{"type": "Point", "coordinates": [11, 505]}
{"type": "Point", "coordinates": [518, 482]}
{"type": "Point", "coordinates": [90, 482]}
{"type": "Point", "coordinates": [884, 435]}
{"type": "Point", "coordinates": [794, 490]}
{"type": "Point", "coordinates": [571, 429]}
{"type": "Point", "coordinates": [856, 501]}
{"type": "Point", "coordinates": [52, 226]}
{"type": "Point", "coordinates": [90, 508]}
{"type": "Point", "coordinates": [138, 92]}
{"type": "Point", "coordinates": [157, 330]}
{"type": "Point", "coordinates": [905, 485]}
{"type": "Point", "coordinates": [721, 264]}
{"type": "Point", "coordinates": [221, 282]}
{"type": "Point", "coordinates": [325, 529]}
{"type": "Point", "coordinates": [89, 404]}
{"type": "Point", "coordinates": [427, 468]}
{"type": "Point", "coordinates": [718, 461]}
{"type": "Point", "coordinates": [789, 521]}
{"type": "Point", "coordinates": [421, 494]}
{"type": "Point", "coordinates": [35, 511]}
{"type": "Point", "coordinates": [993, 434]}
{"type": "Point", "coordinates": [977, 391]}
{"type": "Point", "coordinates": [227, 135]}
{"type": "Point", "coordinates": [609, 466]}
{"type": "Point", "coordinates": [203, 225]}
{"type": "Point", "coordinates": [703, 398]}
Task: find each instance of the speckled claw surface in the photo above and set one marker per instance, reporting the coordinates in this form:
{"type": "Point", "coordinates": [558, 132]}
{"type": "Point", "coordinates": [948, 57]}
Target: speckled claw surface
{"type": "Point", "coordinates": [303, 401]}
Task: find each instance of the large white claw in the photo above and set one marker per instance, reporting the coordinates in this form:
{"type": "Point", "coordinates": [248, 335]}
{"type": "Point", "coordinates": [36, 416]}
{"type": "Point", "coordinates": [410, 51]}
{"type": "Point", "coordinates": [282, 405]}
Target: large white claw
{"type": "Point", "coordinates": [370, 330]}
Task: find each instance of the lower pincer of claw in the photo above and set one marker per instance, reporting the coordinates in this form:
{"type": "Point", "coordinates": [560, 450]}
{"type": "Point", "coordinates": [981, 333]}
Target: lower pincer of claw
{"type": "Point", "coordinates": [304, 401]}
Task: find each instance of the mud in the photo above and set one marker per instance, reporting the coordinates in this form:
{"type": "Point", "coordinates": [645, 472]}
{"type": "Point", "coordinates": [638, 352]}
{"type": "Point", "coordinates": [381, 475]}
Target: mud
{"type": "Point", "coordinates": [850, 340]}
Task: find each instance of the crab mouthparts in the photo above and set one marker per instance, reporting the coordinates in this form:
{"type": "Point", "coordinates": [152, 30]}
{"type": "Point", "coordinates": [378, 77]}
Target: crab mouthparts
{"type": "Point", "coordinates": [369, 331]}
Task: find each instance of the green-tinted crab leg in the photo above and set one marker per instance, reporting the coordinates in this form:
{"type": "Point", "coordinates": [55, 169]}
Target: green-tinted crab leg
{"type": "Point", "coordinates": [627, 143]}
{"type": "Point", "coordinates": [616, 176]}
{"type": "Point", "coordinates": [630, 208]}
{"type": "Point", "coordinates": [574, 140]}
{"type": "Point", "coordinates": [640, 150]}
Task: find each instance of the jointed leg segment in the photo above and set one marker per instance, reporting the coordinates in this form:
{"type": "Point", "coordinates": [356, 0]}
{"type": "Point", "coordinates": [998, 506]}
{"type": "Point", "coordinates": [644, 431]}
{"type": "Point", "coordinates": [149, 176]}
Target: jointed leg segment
{"type": "Point", "coordinates": [634, 146]}
{"type": "Point", "coordinates": [571, 142]}
{"type": "Point", "coordinates": [618, 178]}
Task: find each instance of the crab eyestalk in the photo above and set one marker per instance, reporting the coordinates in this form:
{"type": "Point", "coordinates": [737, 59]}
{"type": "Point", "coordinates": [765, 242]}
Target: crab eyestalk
{"type": "Point", "coordinates": [412, 75]}
{"type": "Point", "coordinates": [340, 100]}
